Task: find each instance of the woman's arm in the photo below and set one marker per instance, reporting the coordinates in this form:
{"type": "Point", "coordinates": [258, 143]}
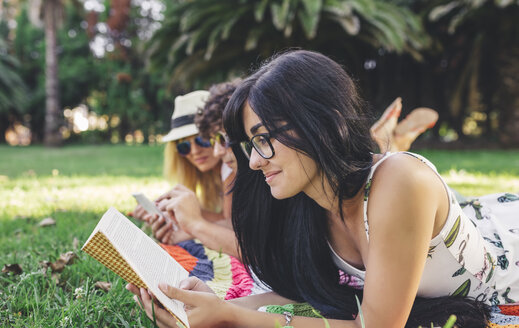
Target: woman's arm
{"type": "Point", "coordinates": [212, 216]}
{"type": "Point", "coordinates": [184, 208]}
{"type": "Point", "coordinates": [208, 215]}
{"type": "Point", "coordinates": [223, 218]}
{"type": "Point", "coordinates": [215, 236]}
{"type": "Point", "coordinates": [254, 302]}
{"type": "Point", "coordinates": [405, 200]}
{"type": "Point", "coordinates": [207, 310]}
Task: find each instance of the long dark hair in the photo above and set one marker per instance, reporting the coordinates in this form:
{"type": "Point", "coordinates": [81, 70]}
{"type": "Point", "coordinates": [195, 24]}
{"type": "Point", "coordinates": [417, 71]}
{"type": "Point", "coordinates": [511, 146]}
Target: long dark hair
{"type": "Point", "coordinates": [284, 242]}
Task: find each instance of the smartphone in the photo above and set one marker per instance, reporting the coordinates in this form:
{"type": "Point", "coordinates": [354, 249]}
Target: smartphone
{"type": "Point", "coordinates": [151, 208]}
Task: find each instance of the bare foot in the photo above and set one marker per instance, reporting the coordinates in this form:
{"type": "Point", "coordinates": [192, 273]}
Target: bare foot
{"type": "Point", "coordinates": [382, 131]}
{"type": "Point", "coordinates": [419, 120]}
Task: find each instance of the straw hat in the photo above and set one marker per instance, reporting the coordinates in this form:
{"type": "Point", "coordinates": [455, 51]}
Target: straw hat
{"type": "Point", "coordinates": [182, 120]}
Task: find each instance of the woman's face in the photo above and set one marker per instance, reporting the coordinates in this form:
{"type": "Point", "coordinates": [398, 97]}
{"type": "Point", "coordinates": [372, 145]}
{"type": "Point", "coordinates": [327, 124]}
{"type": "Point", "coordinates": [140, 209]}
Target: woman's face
{"type": "Point", "coordinates": [224, 153]}
{"type": "Point", "coordinates": [201, 157]}
{"type": "Point", "coordinates": [288, 172]}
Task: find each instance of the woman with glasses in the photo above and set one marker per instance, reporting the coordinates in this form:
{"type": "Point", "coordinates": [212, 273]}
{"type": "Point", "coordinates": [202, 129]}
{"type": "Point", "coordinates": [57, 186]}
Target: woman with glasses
{"type": "Point", "coordinates": [210, 126]}
{"type": "Point", "coordinates": [210, 123]}
{"type": "Point", "coordinates": [205, 245]}
{"type": "Point", "coordinates": [313, 198]}
{"type": "Point", "coordinates": [182, 202]}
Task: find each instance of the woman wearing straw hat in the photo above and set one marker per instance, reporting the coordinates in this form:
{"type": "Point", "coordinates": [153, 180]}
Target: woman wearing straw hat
{"type": "Point", "coordinates": [189, 161]}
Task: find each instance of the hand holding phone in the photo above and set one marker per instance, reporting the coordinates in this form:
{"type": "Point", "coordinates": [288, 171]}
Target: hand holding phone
{"type": "Point", "coordinates": [150, 207]}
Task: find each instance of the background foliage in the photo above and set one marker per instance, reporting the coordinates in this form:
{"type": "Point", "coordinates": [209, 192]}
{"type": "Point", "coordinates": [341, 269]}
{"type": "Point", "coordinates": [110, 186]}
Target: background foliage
{"type": "Point", "coordinates": [126, 60]}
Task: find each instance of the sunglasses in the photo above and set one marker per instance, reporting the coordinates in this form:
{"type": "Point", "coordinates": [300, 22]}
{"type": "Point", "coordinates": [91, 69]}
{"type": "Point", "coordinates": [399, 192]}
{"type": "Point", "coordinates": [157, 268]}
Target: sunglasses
{"type": "Point", "coordinates": [221, 139]}
{"type": "Point", "coordinates": [261, 142]}
{"type": "Point", "coordinates": [184, 147]}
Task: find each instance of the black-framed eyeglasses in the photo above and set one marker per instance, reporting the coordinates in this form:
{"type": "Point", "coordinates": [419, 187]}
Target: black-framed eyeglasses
{"type": "Point", "coordinates": [184, 147]}
{"type": "Point", "coordinates": [261, 142]}
{"type": "Point", "coordinates": [220, 138]}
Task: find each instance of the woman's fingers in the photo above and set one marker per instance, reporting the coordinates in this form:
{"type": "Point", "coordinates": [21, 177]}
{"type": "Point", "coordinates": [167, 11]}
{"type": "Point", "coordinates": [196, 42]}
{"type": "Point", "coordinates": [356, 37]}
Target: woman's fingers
{"type": "Point", "coordinates": [138, 301]}
{"type": "Point", "coordinates": [165, 195]}
{"type": "Point", "coordinates": [133, 289]}
{"type": "Point", "coordinates": [151, 218]}
{"type": "Point", "coordinates": [166, 238]}
{"type": "Point", "coordinates": [157, 224]}
{"type": "Point", "coordinates": [172, 193]}
{"type": "Point", "coordinates": [147, 299]}
{"type": "Point", "coordinates": [194, 283]}
{"type": "Point", "coordinates": [161, 232]}
{"type": "Point", "coordinates": [185, 296]}
{"type": "Point", "coordinates": [138, 212]}
{"type": "Point", "coordinates": [156, 312]}
{"type": "Point", "coordinates": [178, 236]}
{"type": "Point", "coordinates": [189, 283]}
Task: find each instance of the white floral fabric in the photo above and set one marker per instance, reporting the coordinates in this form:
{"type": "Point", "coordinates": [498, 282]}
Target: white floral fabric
{"type": "Point", "coordinates": [476, 254]}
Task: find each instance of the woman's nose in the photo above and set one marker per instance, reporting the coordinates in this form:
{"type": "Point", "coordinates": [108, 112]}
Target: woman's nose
{"type": "Point", "coordinates": [256, 161]}
{"type": "Point", "coordinates": [195, 148]}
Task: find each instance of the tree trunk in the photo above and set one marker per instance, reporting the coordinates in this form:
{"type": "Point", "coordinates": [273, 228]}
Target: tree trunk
{"type": "Point", "coordinates": [4, 125]}
{"type": "Point", "coordinates": [53, 115]}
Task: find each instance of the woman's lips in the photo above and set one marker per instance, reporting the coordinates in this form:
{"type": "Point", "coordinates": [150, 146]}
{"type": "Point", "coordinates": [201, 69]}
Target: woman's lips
{"type": "Point", "coordinates": [270, 176]}
{"type": "Point", "coordinates": [201, 160]}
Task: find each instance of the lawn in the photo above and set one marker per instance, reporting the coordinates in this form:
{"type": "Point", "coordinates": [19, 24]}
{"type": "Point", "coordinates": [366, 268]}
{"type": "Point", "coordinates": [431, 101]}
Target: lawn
{"type": "Point", "coordinates": [75, 185]}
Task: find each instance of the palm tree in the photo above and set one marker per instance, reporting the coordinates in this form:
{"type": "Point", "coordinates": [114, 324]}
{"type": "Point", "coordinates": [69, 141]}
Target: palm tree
{"type": "Point", "coordinates": [203, 41]}
{"type": "Point", "coordinates": [12, 88]}
{"type": "Point", "coordinates": [488, 61]}
{"type": "Point", "coordinates": [49, 13]}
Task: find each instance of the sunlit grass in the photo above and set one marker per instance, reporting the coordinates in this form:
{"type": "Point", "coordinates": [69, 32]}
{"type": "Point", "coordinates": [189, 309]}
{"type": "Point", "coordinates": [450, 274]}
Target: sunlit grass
{"type": "Point", "coordinates": [42, 197]}
{"type": "Point", "coordinates": [478, 184]}
{"type": "Point", "coordinates": [476, 173]}
{"type": "Point", "coordinates": [75, 185]}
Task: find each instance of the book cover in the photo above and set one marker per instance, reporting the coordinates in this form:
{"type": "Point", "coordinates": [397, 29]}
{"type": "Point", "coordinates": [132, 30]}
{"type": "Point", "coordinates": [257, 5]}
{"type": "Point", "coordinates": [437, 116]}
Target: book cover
{"type": "Point", "coordinates": [125, 249]}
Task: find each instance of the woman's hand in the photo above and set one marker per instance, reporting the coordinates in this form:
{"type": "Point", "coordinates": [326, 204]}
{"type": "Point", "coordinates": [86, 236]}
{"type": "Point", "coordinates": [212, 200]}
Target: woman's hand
{"type": "Point", "coordinates": [191, 283]}
{"type": "Point", "coordinates": [184, 207]}
{"type": "Point", "coordinates": [139, 213]}
{"type": "Point", "coordinates": [164, 232]}
{"type": "Point", "coordinates": [203, 307]}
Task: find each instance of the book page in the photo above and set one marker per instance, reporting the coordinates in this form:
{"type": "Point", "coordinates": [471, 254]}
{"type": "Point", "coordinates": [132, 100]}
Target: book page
{"type": "Point", "coordinates": [151, 263]}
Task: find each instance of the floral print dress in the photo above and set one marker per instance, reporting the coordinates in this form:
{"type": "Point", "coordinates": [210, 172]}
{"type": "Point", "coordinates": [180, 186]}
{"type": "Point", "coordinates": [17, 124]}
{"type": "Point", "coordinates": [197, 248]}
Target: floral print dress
{"type": "Point", "coordinates": [476, 254]}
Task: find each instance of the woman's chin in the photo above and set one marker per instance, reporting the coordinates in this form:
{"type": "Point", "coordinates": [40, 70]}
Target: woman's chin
{"type": "Point", "coordinates": [206, 166]}
{"type": "Point", "coordinates": [279, 193]}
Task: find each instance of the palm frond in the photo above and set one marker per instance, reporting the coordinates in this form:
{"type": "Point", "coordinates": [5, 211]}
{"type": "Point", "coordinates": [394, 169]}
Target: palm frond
{"type": "Point", "coordinates": [259, 27]}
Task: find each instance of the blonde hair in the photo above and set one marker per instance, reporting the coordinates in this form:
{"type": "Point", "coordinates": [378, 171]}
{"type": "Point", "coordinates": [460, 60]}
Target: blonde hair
{"type": "Point", "coordinates": [206, 185]}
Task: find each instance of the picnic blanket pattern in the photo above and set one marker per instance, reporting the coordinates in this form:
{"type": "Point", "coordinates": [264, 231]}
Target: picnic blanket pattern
{"type": "Point", "coordinates": [229, 279]}
{"type": "Point", "coordinates": [225, 274]}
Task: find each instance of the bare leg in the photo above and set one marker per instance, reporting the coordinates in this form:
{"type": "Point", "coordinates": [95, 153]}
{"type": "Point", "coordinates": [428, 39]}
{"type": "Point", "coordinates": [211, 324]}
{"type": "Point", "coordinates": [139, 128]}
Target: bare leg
{"type": "Point", "coordinates": [382, 131]}
{"type": "Point", "coordinates": [394, 137]}
{"type": "Point", "coordinates": [419, 120]}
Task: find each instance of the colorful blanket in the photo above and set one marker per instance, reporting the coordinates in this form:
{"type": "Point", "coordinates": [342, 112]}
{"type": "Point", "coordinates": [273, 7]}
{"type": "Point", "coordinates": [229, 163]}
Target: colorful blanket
{"type": "Point", "coordinates": [229, 279]}
{"type": "Point", "coordinates": [225, 274]}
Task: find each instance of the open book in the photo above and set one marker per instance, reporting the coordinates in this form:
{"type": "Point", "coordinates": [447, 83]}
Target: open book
{"type": "Point", "coordinates": [126, 250]}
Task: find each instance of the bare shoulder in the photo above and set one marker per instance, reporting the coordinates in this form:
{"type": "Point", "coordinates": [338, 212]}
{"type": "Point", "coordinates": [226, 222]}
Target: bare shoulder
{"type": "Point", "coordinates": [405, 170]}
{"type": "Point", "coordinates": [403, 185]}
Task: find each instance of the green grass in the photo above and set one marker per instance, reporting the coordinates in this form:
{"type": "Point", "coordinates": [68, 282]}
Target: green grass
{"type": "Point", "coordinates": [75, 185]}
{"type": "Point", "coordinates": [85, 182]}
{"type": "Point", "coordinates": [476, 173]}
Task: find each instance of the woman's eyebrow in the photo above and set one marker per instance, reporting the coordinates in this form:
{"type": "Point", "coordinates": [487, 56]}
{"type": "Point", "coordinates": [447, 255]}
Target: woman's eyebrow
{"type": "Point", "coordinates": [255, 128]}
